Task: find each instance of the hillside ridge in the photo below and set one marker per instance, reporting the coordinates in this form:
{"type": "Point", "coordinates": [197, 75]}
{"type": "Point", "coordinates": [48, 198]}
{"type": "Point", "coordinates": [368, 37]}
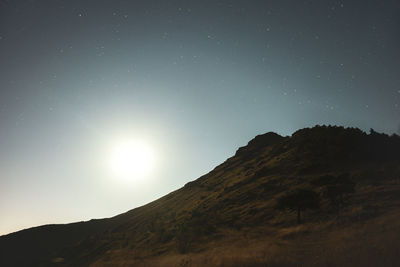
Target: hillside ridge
{"type": "Point", "coordinates": [237, 202]}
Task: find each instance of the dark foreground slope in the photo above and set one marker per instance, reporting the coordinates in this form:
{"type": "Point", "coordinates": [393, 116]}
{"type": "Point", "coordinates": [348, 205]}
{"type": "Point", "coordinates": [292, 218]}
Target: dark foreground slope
{"type": "Point", "coordinates": [229, 217]}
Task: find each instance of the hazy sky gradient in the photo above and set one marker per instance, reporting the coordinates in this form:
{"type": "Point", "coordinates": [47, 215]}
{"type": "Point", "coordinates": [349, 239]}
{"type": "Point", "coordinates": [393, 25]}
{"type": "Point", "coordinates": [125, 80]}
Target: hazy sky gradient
{"type": "Point", "coordinates": [196, 79]}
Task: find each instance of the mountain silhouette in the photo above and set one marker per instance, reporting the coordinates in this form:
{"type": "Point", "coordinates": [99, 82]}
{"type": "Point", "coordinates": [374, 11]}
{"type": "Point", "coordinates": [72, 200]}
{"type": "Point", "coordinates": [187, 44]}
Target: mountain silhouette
{"type": "Point", "coordinates": [324, 196]}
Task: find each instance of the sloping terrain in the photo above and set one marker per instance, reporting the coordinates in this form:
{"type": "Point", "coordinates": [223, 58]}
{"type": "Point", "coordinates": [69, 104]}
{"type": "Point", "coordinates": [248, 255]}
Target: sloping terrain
{"type": "Point", "coordinates": [230, 216]}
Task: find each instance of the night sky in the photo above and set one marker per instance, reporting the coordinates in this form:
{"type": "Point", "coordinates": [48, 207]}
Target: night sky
{"type": "Point", "coordinates": [195, 79]}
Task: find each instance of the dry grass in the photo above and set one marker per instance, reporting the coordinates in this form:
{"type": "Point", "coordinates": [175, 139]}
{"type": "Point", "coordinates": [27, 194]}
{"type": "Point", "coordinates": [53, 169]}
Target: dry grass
{"type": "Point", "coordinates": [376, 243]}
{"type": "Point", "coordinates": [228, 216]}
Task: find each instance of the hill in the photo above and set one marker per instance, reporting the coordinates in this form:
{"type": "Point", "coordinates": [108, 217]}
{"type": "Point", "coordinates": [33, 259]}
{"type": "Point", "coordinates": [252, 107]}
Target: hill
{"type": "Point", "coordinates": [325, 196]}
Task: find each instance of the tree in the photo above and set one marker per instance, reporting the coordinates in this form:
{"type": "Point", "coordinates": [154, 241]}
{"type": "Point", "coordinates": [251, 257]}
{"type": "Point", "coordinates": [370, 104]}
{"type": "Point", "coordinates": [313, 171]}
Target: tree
{"type": "Point", "coordinates": [196, 225]}
{"type": "Point", "coordinates": [299, 201]}
{"type": "Point", "coordinates": [184, 238]}
{"type": "Point", "coordinates": [335, 188]}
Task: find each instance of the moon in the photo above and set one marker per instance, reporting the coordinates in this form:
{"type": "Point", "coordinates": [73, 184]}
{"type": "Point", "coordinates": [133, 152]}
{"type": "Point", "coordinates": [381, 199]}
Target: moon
{"type": "Point", "coordinates": [132, 160]}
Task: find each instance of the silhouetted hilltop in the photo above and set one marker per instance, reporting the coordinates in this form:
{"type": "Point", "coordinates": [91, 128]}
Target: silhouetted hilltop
{"type": "Point", "coordinates": [328, 143]}
{"type": "Point", "coordinates": [325, 196]}
{"type": "Point", "coordinates": [339, 143]}
{"type": "Point", "coordinates": [259, 143]}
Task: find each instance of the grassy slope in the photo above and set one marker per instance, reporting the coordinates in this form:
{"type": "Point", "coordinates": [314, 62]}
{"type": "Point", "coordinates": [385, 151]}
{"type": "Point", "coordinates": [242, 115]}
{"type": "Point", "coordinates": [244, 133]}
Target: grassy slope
{"type": "Point", "coordinates": [227, 217]}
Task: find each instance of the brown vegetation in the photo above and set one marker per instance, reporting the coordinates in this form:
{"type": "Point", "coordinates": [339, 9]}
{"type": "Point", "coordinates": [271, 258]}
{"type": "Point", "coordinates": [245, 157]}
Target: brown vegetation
{"type": "Point", "coordinates": [228, 217]}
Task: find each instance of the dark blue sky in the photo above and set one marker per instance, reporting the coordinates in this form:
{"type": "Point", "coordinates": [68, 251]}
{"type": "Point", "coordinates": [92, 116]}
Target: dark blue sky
{"type": "Point", "coordinates": [194, 79]}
